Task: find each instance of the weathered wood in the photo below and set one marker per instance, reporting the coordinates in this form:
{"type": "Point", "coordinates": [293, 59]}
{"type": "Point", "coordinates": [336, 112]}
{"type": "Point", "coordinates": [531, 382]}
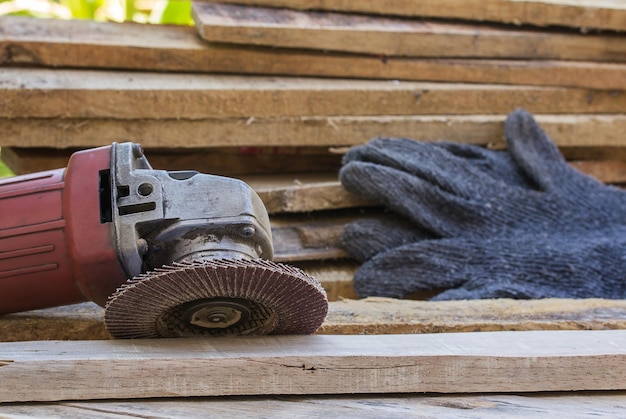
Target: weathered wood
{"type": "Point", "coordinates": [309, 237]}
{"type": "Point", "coordinates": [309, 194]}
{"type": "Point", "coordinates": [225, 161]}
{"type": "Point", "coordinates": [334, 275]}
{"type": "Point", "coordinates": [594, 153]}
{"type": "Point", "coordinates": [310, 197]}
{"type": "Point", "coordinates": [566, 130]}
{"type": "Point", "coordinates": [74, 322]}
{"type": "Point", "coordinates": [46, 93]}
{"type": "Point", "coordinates": [387, 315]}
{"type": "Point", "coordinates": [287, 188]}
{"type": "Point", "coordinates": [85, 44]}
{"type": "Point", "coordinates": [609, 404]}
{"type": "Point", "coordinates": [249, 25]}
{"type": "Point", "coordinates": [608, 171]}
{"type": "Point", "coordinates": [609, 14]}
{"type": "Point", "coordinates": [442, 363]}
{"type": "Point", "coordinates": [367, 316]}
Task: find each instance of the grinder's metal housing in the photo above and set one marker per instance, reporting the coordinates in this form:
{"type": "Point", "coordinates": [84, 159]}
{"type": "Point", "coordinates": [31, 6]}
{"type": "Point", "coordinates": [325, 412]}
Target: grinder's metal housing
{"type": "Point", "coordinates": [161, 217]}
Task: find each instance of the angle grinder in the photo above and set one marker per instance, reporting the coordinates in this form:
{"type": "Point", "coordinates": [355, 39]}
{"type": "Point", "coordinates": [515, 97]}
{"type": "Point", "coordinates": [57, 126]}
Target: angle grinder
{"type": "Point", "coordinates": [167, 253]}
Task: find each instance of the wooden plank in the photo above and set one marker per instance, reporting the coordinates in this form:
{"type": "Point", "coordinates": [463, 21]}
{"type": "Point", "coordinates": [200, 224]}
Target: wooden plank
{"type": "Point", "coordinates": [225, 161]}
{"type": "Point", "coordinates": [566, 130]}
{"type": "Point", "coordinates": [608, 171]}
{"type": "Point", "coordinates": [73, 322]}
{"type": "Point", "coordinates": [313, 236]}
{"type": "Point", "coordinates": [46, 93]}
{"type": "Point", "coordinates": [586, 404]}
{"type": "Point", "coordinates": [367, 316]}
{"type": "Point", "coordinates": [594, 153]}
{"type": "Point", "coordinates": [387, 315]}
{"type": "Point", "coordinates": [249, 25]}
{"type": "Point", "coordinates": [289, 190]}
{"type": "Point", "coordinates": [310, 197]}
{"type": "Point", "coordinates": [335, 276]}
{"type": "Point", "coordinates": [442, 363]}
{"type": "Point", "coordinates": [86, 44]}
{"type": "Point", "coordinates": [586, 14]}
{"type": "Point", "coordinates": [314, 195]}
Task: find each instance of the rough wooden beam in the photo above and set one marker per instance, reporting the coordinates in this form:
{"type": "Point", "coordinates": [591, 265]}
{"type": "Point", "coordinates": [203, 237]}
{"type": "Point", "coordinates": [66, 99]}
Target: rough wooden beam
{"type": "Point", "coordinates": [335, 276]}
{"type": "Point", "coordinates": [287, 189]}
{"type": "Point", "coordinates": [248, 25]}
{"type": "Point", "coordinates": [586, 14]}
{"type": "Point", "coordinates": [310, 197]}
{"type": "Point", "coordinates": [306, 238]}
{"type": "Point", "coordinates": [367, 316]}
{"type": "Point", "coordinates": [306, 196]}
{"type": "Point", "coordinates": [441, 363]}
{"type": "Point", "coordinates": [99, 94]}
{"type": "Point", "coordinates": [387, 315]}
{"type": "Point", "coordinates": [486, 406]}
{"type": "Point", "coordinates": [566, 130]}
{"type": "Point", "coordinates": [608, 171]}
{"type": "Point", "coordinates": [292, 162]}
{"type": "Point", "coordinates": [84, 44]}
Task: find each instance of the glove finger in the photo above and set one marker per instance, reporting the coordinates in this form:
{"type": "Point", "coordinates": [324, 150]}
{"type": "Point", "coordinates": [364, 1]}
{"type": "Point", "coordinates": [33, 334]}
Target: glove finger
{"type": "Point", "coordinates": [576, 265]}
{"type": "Point", "coordinates": [429, 161]}
{"type": "Point", "coordinates": [415, 267]}
{"type": "Point", "coordinates": [433, 163]}
{"type": "Point", "coordinates": [534, 152]}
{"type": "Point", "coordinates": [437, 211]}
{"type": "Point", "coordinates": [497, 164]}
{"type": "Point", "coordinates": [366, 238]}
{"type": "Point", "coordinates": [490, 290]}
{"type": "Point", "coordinates": [388, 151]}
{"type": "Point", "coordinates": [413, 156]}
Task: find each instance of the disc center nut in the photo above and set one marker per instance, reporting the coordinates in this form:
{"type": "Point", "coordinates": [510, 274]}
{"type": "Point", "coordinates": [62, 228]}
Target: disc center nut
{"type": "Point", "coordinates": [216, 314]}
{"type": "Point", "coordinates": [216, 317]}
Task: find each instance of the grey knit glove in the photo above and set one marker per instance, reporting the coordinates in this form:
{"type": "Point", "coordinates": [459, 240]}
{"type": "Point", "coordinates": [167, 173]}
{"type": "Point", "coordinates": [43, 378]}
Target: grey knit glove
{"type": "Point", "coordinates": [449, 195]}
{"type": "Point", "coordinates": [368, 237]}
{"type": "Point", "coordinates": [523, 265]}
{"type": "Point", "coordinates": [484, 224]}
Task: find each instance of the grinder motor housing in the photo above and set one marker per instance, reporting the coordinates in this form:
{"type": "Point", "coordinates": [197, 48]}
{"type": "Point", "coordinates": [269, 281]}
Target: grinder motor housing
{"type": "Point", "coordinates": [77, 234]}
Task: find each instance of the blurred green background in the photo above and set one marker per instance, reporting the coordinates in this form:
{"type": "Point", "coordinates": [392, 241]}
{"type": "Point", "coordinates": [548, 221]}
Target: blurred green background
{"type": "Point", "coordinates": [4, 171]}
{"type": "Point", "coordinates": [141, 11]}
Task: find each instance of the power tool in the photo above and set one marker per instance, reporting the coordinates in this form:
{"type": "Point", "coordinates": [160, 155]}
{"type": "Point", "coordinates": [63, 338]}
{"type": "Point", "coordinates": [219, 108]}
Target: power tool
{"type": "Point", "coordinates": [167, 253]}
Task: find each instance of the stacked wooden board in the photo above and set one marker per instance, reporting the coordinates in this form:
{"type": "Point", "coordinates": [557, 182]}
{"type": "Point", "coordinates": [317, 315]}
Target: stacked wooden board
{"type": "Point", "coordinates": [259, 89]}
{"type": "Point", "coordinates": [273, 91]}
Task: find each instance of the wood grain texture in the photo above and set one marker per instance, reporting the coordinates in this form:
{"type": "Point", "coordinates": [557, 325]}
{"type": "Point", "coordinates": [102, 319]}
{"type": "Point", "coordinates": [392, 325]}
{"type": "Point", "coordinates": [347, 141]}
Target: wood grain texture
{"type": "Point", "coordinates": [386, 315]}
{"type": "Point", "coordinates": [308, 194]}
{"type": "Point", "coordinates": [310, 197]}
{"type": "Point", "coordinates": [99, 94]}
{"type": "Point", "coordinates": [566, 130]}
{"type": "Point", "coordinates": [84, 44]}
{"type": "Point", "coordinates": [584, 404]}
{"type": "Point", "coordinates": [608, 14]}
{"type": "Point", "coordinates": [608, 171]}
{"type": "Point", "coordinates": [277, 174]}
{"type": "Point", "coordinates": [293, 162]}
{"type": "Point", "coordinates": [367, 316]}
{"type": "Point", "coordinates": [334, 275]}
{"type": "Point", "coordinates": [308, 237]}
{"type": "Point", "coordinates": [442, 363]}
{"type": "Point", "coordinates": [249, 25]}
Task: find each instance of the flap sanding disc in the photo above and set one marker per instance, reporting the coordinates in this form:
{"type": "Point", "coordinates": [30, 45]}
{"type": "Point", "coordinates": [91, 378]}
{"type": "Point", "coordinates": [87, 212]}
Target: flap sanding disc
{"type": "Point", "coordinates": [217, 298]}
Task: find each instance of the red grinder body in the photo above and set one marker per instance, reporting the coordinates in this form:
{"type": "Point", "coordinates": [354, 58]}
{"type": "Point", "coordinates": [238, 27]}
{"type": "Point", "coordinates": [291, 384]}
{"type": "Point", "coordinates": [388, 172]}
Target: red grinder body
{"type": "Point", "coordinates": [51, 230]}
